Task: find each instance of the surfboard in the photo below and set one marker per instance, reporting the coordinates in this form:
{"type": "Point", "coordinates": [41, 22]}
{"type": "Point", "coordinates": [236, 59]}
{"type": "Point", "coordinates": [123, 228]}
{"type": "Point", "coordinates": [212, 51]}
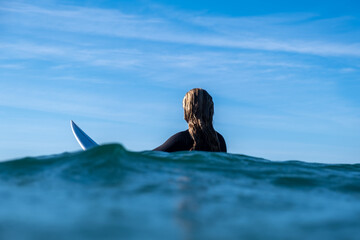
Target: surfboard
{"type": "Point", "coordinates": [83, 139]}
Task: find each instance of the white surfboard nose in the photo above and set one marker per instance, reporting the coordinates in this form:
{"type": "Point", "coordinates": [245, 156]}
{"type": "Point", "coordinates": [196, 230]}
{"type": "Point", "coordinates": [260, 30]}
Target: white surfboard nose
{"type": "Point", "coordinates": [83, 139]}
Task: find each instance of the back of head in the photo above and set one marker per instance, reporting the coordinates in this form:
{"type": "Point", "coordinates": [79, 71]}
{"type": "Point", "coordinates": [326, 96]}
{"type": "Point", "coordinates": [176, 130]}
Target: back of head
{"type": "Point", "coordinates": [198, 113]}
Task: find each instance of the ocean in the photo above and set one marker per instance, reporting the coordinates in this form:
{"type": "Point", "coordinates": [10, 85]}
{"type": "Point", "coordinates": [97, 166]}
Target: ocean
{"type": "Point", "coordinates": [111, 193]}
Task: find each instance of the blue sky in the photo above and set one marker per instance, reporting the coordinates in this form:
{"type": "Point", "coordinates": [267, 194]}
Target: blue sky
{"type": "Point", "coordinates": [284, 76]}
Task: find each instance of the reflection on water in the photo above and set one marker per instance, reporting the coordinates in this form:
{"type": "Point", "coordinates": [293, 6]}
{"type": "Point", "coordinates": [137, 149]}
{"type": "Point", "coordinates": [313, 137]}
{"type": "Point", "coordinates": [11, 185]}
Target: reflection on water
{"type": "Point", "coordinates": [188, 207]}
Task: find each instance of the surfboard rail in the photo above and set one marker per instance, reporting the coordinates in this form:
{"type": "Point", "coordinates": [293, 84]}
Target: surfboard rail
{"type": "Point", "coordinates": [82, 138]}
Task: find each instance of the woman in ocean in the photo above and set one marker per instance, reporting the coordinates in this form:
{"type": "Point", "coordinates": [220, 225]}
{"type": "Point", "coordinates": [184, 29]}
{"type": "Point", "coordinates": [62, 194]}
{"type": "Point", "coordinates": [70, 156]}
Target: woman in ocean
{"type": "Point", "coordinates": [201, 135]}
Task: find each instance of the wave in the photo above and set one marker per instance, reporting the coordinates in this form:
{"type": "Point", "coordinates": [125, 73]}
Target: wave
{"type": "Point", "coordinates": [109, 164]}
{"type": "Point", "coordinates": [109, 192]}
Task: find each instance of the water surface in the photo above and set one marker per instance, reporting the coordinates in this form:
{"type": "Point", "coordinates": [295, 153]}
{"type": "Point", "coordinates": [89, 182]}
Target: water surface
{"type": "Point", "coordinates": [111, 193]}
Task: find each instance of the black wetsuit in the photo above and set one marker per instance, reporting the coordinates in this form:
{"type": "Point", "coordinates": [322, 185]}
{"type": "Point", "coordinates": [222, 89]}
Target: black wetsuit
{"type": "Point", "coordinates": [182, 141]}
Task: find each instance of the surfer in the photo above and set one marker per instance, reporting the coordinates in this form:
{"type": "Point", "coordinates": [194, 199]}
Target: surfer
{"type": "Point", "coordinates": [201, 135]}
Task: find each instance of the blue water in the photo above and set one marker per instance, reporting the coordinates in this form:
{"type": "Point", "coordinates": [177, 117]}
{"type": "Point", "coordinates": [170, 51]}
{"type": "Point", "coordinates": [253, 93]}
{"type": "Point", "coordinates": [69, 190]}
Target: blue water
{"type": "Point", "coordinates": [111, 193]}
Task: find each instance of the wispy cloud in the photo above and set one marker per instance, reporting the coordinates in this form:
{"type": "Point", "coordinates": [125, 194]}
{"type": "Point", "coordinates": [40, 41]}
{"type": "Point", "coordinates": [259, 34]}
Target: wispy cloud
{"type": "Point", "coordinates": [10, 66]}
{"type": "Point", "coordinates": [75, 103]}
{"type": "Point", "coordinates": [244, 33]}
{"type": "Point", "coordinates": [348, 70]}
{"type": "Point", "coordinates": [97, 57]}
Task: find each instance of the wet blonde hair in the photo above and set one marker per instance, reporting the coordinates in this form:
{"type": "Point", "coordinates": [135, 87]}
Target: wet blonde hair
{"type": "Point", "coordinates": [198, 113]}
